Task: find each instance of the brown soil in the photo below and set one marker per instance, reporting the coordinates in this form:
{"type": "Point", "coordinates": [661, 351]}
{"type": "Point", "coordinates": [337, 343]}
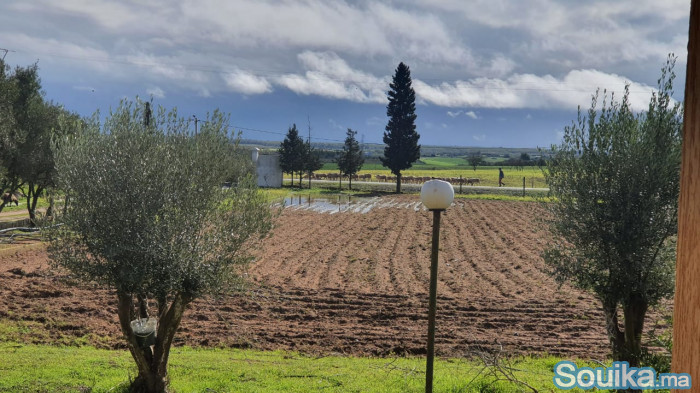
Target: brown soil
{"type": "Point", "coordinates": [352, 283]}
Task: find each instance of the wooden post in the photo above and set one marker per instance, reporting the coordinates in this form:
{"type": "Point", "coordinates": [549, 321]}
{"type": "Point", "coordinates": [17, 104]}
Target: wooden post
{"type": "Point", "coordinates": [523, 185]}
{"type": "Point", "coordinates": [686, 314]}
{"type": "Point", "coordinates": [432, 301]}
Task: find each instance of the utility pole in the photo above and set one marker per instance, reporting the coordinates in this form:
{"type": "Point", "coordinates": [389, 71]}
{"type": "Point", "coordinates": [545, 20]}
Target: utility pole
{"type": "Point", "coordinates": [5, 52]}
{"type": "Point", "coordinates": [308, 142]}
{"type": "Point", "coordinates": [195, 123]}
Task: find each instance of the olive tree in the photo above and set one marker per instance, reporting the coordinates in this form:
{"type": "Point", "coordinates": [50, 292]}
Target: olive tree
{"type": "Point", "coordinates": [28, 123]}
{"type": "Point", "coordinates": [148, 217]}
{"type": "Point", "coordinates": [615, 178]}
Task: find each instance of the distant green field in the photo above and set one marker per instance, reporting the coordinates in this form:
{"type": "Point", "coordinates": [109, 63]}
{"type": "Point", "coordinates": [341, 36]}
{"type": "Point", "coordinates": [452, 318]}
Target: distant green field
{"type": "Point", "coordinates": [442, 162]}
{"type": "Point", "coordinates": [488, 175]}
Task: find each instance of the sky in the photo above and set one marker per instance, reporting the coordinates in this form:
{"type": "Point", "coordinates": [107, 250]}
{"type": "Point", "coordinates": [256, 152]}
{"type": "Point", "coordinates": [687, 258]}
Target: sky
{"type": "Point", "coordinates": [487, 73]}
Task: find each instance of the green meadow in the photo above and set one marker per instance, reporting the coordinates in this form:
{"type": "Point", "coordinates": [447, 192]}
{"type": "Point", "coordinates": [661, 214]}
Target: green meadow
{"type": "Point", "coordinates": [452, 167]}
{"type": "Point", "coordinates": [40, 368]}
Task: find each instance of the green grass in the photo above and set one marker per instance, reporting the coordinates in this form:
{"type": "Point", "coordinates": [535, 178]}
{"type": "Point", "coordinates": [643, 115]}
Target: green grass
{"type": "Point", "coordinates": [35, 368]}
{"type": "Point", "coordinates": [443, 161]}
{"type": "Point", "coordinates": [443, 169]}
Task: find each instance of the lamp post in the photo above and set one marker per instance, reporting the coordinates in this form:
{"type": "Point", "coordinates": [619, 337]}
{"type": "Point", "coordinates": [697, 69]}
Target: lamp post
{"type": "Point", "coordinates": [436, 195]}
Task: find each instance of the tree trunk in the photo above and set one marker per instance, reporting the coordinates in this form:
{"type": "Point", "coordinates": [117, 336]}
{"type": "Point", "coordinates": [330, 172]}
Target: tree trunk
{"type": "Point", "coordinates": [152, 362]}
{"type": "Point", "coordinates": [626, 345]}
{"type": "Point", "coordinates": [615, 335]}
{"type": "Point", "coordinates": [634, 311]}
{"type": "Point", "coordinates": [350, 182]}
{"type": "Point", "coordinates": [32, 199]}
{"type": "Point", "coordinates": [49, 211]}
{"type": "Point", "coordinates": [398, 183]}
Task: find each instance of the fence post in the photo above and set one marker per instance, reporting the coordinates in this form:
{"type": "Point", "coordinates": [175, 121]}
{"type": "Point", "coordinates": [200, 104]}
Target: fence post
{"type": "Point", "coordinates": [523, 185]}
{"type": "Point", "coordinates": [460, 184]}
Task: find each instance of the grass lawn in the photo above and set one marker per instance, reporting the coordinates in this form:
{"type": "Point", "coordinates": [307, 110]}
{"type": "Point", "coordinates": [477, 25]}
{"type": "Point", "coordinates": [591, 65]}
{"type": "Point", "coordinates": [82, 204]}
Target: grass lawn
{"type": "Point", "coordinates": [34, 368]}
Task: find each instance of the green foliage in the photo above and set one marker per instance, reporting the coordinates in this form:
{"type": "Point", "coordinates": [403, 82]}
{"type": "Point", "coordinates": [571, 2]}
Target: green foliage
{"type": "Point", "coordinates": [616, 182]}
{"type": "Point", "coordinates": [292, 152]}
{"type": "Point", "coordinates": [27, 125]}
{"type": "Point", "coordinates": [145, 209]}
{"type": "Point", "coordinates": [312, 158]}
{"type": "Point", "coordinates": [146, 214]}
{"type": "Point", "coordinates": [401, 139]}
{"type": "Point", "coordinates": [351, 158]}
{"type": "Point", "coordinates": [475, 160]}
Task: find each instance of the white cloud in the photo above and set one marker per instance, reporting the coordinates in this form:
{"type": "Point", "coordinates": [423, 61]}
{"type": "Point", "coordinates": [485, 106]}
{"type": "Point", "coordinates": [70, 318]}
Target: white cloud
{"type": "Point", "coordinates": [156, 92]}
{"type": "Point", "coordinates": [479, 138]}
{"type": "Point", "coordinates": [247, 83]}
{"type": "Point", "coordinates": [531, 91]}
{"type": "Point", "coordinates": [472, 115]}
{"type": "Point", "coordinates": [335, 125]}
{"type": "Point", "coordinates": [330, 76]}
{"type": "Point", "coordinates": [454, 114]}
{"type": "Point", "coordinates": [169, 67]}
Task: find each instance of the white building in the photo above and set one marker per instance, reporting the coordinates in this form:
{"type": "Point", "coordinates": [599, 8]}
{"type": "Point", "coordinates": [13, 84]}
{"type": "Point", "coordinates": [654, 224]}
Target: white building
{"type": "Point", "coordinates": [267, 167]}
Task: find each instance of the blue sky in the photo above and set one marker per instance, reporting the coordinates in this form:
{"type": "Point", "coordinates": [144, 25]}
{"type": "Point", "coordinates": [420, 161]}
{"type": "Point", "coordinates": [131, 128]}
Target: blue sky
{"type": "Point", "coordinates": [487, 73]}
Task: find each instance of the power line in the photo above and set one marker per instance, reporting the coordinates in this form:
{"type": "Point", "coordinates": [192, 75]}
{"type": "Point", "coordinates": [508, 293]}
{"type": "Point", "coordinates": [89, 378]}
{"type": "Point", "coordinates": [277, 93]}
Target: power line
{"type": "Point", "coordinates": [278, 133]}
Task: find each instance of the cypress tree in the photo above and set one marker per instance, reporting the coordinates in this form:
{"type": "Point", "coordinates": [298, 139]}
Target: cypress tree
{"type": "Point", "coordinates": [292, 152]}
{"type": "Point", "coordinates": [351, 158]}
{"type": "Point", "coordinates": [401, 139]}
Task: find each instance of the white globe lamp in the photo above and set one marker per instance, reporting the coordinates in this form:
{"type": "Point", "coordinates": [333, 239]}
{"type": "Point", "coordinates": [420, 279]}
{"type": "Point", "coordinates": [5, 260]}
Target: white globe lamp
{"type": "Point", "coordinates": [437, 194]}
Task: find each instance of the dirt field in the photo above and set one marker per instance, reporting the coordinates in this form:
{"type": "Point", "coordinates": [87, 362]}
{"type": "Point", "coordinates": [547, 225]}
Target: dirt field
{"type": "Point", "coordinates": [344, 281]}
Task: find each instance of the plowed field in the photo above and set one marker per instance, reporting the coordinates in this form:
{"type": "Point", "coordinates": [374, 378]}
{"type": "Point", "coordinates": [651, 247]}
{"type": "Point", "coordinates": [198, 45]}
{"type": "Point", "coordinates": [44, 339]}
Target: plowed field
{"type": "Point", "coordinates": [351, 282]}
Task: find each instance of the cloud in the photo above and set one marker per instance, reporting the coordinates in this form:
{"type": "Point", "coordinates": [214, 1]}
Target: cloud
{"type": "Point", "coordinates": [531, 91]}
{"type": "Point", "coordinates": [330, 76]}
{"type": "Point", "coordinates": [156, 92]}
{"type": "Point", "coordinates": [592, 34]}
{"type": "Point", "coordinates": [335, 125]}
{"type": "Point", "coordinates": [470, 114]}
{"type": "Point", "coordinates": [463, 54]}
{"type": "Point", "coordinates": [479, 138]}
{"type": "Point", "coordinates": [247, 83]}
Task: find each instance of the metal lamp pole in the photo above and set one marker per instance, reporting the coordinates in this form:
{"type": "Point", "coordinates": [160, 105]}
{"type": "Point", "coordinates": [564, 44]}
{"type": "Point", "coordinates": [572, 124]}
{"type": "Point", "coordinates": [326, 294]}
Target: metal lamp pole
{"type": "Point", "coordinates": [432, 302]}
{"type": "Point", "coordinates": [436, 195]}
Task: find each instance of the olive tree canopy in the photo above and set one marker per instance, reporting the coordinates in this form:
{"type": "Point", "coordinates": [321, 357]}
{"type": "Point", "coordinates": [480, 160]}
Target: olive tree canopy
{"type": "Point", "coordinates": [147, 215]}
{"type": "Point", "coordinates": [616, 182]}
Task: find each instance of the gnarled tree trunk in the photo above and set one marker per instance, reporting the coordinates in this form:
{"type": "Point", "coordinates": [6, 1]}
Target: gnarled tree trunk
{"type": "Point", "coordinates": [152, 362]}
{"type": "Point", "coordinates": [627, 344]}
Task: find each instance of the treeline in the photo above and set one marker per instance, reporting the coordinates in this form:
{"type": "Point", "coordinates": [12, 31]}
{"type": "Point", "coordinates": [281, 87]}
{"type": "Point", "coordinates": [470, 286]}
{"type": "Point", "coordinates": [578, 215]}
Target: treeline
{"type": "Point", "coordinates": [28, 124]}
